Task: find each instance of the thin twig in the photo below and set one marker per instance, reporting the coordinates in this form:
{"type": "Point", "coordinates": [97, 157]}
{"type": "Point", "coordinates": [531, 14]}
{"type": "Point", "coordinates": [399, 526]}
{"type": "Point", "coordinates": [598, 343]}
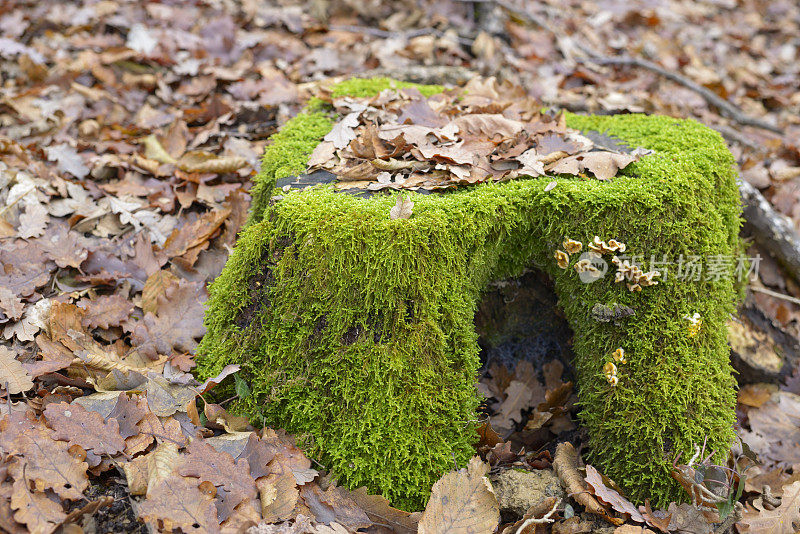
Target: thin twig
{"type": "Point", "coordinates": [734, 136]}
{"type": "Point", "coordinates": [546, 518]}
{"type": "Point", "coordinates": [775, 294]}
{"type": "Point", "coordinates": [725, 107]}
{"type": "Point", "coordinates": [712, 98]}
{"type": "Point", "coordinates": [384, 34]}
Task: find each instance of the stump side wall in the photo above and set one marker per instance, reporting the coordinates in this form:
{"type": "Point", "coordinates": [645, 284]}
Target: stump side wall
{"type": "Point", "coordinates": [356, 331]}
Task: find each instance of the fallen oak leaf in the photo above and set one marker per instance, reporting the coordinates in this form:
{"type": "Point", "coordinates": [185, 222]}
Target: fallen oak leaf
{"type": "Point", "coordinates": [47, 462]}
{"type": "Point", "coordinates": [79, 426]}
{"type": "Point", "coordinates": [230, 477]}
{"type": "Point", "coordinates": [781, 520]}
{"type": "Point", "coordinates": [177, 502]}
{"type": "Point", "coordinates": [105, 311]}
{"type": "Point", "coordinates": [13, 377]}
{"type": "Point", "coordinates": [343, 131]}
{"type": "Point", "coordinates": [462, 502]}
{"type": "Point", "coordinates": [35, 509]}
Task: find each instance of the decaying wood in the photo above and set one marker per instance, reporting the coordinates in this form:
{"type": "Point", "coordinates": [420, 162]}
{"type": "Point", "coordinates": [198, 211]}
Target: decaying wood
{"type": "Point", "coordinates": [725, 107]}
{"type": "Point", "coordinates": [773, 230]}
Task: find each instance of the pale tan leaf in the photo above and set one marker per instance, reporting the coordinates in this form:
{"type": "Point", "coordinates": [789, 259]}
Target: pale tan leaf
{"type": "Point", "coordinates": [279, 494]}
{"type": "Point", "coordinates": [402, 208]}
{"type": "Point", "coordinates": [342, 132]}
{"type": "Point", "coordinates": [781, 520]}
{"type": "Point", "coordinates": [155, 287]}
{"type": "Point", "coordinates": [161, 463]}
{"type": "Point", "coordinates": [202, 161]}
{"type": "Point", "coordinates": [13, 377]}
{"type": "Point", "coordinates": [40, 513]}
{"type": "Point", "coordinates": [154, 151]}
{"type": "Point", "coordinates": [462, 502]}
{"type": "Point", "coordinates": [488, 124]}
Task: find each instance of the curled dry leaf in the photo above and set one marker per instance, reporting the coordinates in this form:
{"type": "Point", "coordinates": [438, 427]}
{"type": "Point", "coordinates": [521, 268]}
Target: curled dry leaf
{"type": "Point", "coordinates": [611, 496]}
{"type": "Point", "coordinates": [565, 465]}
{"type": "Point", "coordinates": [199, 161]}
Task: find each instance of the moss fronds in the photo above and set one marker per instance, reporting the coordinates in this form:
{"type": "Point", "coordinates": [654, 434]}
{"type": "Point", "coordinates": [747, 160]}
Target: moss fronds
{"type": "Point", "coordinates": [356, 331]}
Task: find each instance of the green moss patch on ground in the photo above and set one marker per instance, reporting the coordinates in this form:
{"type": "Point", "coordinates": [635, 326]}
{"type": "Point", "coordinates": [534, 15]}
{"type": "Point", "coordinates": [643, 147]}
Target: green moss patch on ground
{"type": "Point", "coordinates": [356, 331]}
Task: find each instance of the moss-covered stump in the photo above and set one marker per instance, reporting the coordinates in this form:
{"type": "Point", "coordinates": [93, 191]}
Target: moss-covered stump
{"type": "Point", "coordinates": [356, 331]}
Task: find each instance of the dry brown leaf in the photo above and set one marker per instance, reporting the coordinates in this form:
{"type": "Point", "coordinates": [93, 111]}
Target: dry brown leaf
{"type": "Point", "coordinates": [193, 234]}
{"type": "Point", "coordinates": [153, 150]}
{"type": "Point", "coordinates": [342, 132]}
{"type": "Point", "coordinates": [781, 520]}
{"type": "Point", "coordinates": [47, 463]}
{"type": "Point", "coordinates": [334, 506]}
{"type": "Point", "coordinates": [199, 161]}
{"type": "Point", "coordinates": [176, 502]}
{"type": "Point", "coordinates": [380, 511]}
{"type": "Point", "coordinates": [37, 510]}
{"type": "Point", "coordinates": [79, 426]}
{"type": "Point", "coordinates": [488, 125]}
{"type": "Point", "coordinates": [462, 502]}
{"type": "Point", "coordinates": [160, 465]}
{"type": "Point", "coordinates": [518, 397]}
{"type": "Point", "coordinates": [13, 377]}
{"type": "Point", "coordinates": [178, 323]}
{"type": "Point", "coordinates": [105, 311]}
{"type": "Point", "coordinates": [233, 478]}
{"type": "Point", "coordinates": [402, 208]}
{"type": "Point", "coordinates": [155, 287]}
{"type": "Point", "coordinates": [565, 464]}
{"type": "Point", "coordinates": [611, 496]}
{"type": "Point", "coordinates": [279, 495]}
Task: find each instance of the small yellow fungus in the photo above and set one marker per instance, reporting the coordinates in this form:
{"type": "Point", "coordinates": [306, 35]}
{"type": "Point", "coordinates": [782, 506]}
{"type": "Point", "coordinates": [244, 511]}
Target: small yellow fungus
{"type": "Point", "coordinates": [562, 258]}
{"type": "Point", "coordinates": [572, 246]}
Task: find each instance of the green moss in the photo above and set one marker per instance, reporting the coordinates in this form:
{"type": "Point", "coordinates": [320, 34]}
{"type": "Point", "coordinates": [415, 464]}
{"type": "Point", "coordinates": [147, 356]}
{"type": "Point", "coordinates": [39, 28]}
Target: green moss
{"type": "Point", "coordinates": [365, 87]}
{"type": "Point", "coordinates": [357, 331]}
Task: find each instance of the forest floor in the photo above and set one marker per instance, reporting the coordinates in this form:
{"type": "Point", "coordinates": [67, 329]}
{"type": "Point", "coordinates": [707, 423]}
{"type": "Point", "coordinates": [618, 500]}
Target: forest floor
{"type": "Point", "coordinates": [129, 133]}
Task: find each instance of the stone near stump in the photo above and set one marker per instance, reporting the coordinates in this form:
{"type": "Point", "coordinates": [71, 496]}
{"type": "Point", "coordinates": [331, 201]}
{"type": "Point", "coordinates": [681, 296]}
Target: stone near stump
{"type": "Point", "coordinates": [355, 331]}
{"type": "Point", "coordinates": [518, 490]}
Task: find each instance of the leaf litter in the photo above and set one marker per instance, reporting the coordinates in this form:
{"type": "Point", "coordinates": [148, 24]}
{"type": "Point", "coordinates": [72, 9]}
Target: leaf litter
{"type": "Point", "coordinates": [401, 140]}
{"type": "Point", "coordinates": [122, 138]}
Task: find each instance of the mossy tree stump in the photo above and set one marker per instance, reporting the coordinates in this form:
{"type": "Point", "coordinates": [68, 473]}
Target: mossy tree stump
{"type": "Point", "coordinates": [356, 331]}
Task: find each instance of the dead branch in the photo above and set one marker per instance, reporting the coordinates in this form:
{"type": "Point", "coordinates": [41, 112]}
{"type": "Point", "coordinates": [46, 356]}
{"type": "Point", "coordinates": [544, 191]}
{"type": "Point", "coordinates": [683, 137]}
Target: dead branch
{"type": "Point", "coordinates": [771, 229]}
{"type": "Point", "coordinates": [725, 107]}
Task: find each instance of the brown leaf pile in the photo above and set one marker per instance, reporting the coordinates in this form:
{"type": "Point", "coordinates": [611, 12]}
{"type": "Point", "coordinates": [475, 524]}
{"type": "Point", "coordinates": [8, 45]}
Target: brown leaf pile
{"type": "Point", "coordinates": [484, 132]}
